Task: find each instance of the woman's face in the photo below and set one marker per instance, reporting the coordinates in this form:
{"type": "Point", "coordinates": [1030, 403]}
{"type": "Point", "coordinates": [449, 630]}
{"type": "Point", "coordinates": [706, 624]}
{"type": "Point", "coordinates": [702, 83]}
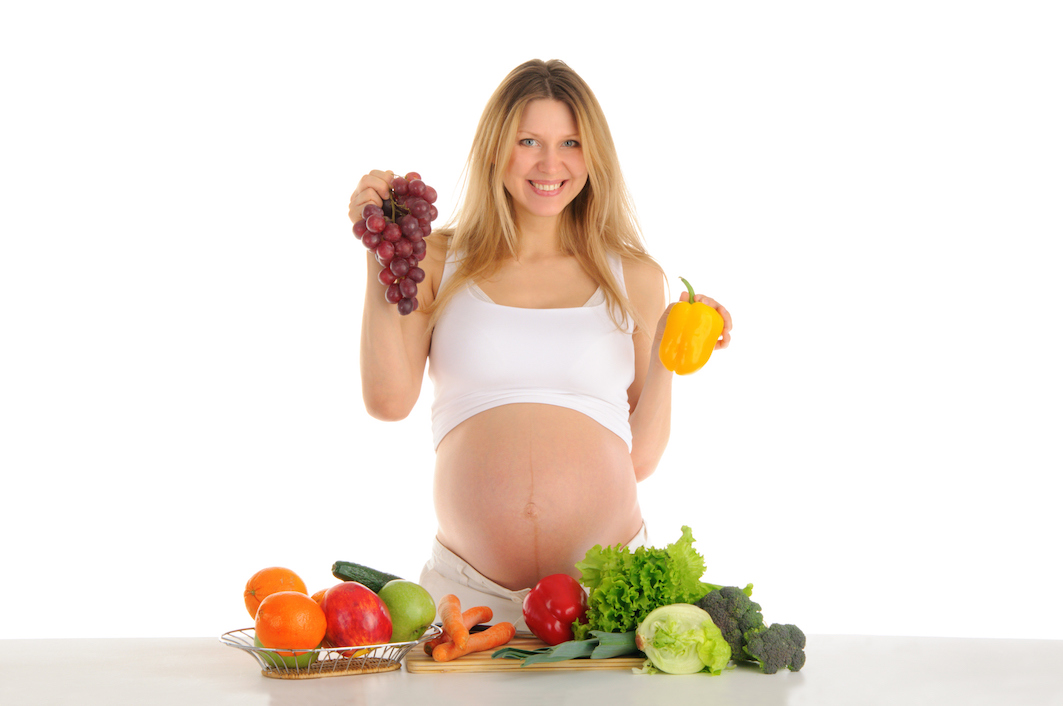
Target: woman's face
{"type": "Point", "coordinates": [546, 168]}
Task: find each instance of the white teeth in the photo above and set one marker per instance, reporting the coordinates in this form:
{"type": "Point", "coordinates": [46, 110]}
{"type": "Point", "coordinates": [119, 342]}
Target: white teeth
{"type": "Point", "coordinates": [546, 187]}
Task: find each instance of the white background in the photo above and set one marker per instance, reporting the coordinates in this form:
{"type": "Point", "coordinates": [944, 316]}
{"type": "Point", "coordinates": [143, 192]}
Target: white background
{"type": "Point", "coordinates": [872, 189]}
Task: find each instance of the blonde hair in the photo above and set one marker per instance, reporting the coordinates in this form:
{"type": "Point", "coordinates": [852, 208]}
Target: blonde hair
{"type": "Point", "coordinates": [599, 221]}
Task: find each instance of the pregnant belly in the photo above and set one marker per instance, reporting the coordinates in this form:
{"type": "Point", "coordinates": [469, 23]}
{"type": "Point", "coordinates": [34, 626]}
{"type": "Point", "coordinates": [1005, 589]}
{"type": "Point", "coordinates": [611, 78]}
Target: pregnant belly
{"type": "Point", "coordinates": [522, 491]}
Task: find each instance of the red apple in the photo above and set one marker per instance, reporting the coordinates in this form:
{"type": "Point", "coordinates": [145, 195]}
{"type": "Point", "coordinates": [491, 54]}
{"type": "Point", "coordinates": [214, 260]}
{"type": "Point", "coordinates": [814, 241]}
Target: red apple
{"type": "Point", "coordinates": [354, 615]}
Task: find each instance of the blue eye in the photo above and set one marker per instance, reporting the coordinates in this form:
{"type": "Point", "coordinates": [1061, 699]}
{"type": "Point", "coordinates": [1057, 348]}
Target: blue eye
{"type": "Point", "coordinates": [571, 143]}
{"type": "Point", "coordinates": [527, 142]}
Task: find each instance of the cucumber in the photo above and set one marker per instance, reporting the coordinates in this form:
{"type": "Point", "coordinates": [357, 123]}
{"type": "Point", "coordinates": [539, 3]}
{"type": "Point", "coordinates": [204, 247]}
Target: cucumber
{"type": "Point", "coordinates": [370, 578]}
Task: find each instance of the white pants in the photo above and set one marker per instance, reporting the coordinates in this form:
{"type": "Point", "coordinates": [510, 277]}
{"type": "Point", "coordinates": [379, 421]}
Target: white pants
{"type": "Point", "coordinates": [447, 573]}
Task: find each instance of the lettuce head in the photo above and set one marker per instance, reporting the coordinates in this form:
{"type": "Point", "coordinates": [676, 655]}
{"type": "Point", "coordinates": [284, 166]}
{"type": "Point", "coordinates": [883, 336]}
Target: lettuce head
{"type": "Point", "coordinates": [682, 639]}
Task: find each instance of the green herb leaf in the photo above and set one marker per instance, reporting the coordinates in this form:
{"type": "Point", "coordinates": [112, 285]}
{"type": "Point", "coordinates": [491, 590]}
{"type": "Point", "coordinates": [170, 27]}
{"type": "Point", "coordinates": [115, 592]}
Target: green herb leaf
{"type": "Point", "coordinates": [573, 649]}
{"type": "Point", "coordinates": [613, 644]}
{"type": "Point", "coordinates": [516, 653]}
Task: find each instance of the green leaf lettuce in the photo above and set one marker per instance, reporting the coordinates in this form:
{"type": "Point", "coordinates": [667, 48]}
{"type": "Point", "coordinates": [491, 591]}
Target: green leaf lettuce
{"type": "Point", "coordinates": [625, 586]}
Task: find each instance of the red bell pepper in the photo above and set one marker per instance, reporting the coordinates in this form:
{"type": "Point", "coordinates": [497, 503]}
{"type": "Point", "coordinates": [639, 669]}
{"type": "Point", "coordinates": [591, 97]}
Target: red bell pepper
{"type": "Point", "coordinates": [551, 607]}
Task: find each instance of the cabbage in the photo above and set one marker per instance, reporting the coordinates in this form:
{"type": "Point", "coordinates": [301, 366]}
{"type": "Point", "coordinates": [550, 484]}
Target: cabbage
{"type": "Point", "coordinates": [682, 639]}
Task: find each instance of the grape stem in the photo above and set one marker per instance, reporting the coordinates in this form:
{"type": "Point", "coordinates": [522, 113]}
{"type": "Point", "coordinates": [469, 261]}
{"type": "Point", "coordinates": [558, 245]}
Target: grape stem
{"type": "Point", "coordinates": [396, 207]}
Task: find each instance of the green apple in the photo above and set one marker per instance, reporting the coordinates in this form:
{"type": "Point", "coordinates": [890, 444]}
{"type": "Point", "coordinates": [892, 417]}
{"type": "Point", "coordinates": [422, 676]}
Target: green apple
{"type": "Point", "coordinates": [411, 608]}
{"type": "Point", "coordinates": [301, 660]}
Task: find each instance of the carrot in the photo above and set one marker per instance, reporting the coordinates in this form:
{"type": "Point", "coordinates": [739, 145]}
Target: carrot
{"type": "Point", "coordinates": [494, 636]}
{"type": "Point", "coordinates": [476, 615]}
{"type": "Point", "coordinates": [450, 614]}
{"type": "Point", "coordinates": [470, 618]}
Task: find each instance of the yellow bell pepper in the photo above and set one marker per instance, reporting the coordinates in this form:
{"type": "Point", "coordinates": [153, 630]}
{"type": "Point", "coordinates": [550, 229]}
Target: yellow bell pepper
{"type": "Point", "coordinates": [690, 335]}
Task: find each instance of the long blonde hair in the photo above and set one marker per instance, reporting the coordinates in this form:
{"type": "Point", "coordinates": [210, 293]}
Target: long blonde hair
{"type": "Point", "coordinates": [599, 221]}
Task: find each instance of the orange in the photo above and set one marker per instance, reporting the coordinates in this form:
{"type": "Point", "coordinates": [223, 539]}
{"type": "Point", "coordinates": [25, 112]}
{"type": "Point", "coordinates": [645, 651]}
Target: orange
{"type": "Point", "coordinates": [319, 595]}
{"type": "Point", "coordinates": [289, 620]}
{"type": "Point", "coordinates": [267, 581]}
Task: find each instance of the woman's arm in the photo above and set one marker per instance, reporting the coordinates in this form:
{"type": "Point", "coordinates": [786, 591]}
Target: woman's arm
{"type": "Point", "coordinates": [650, 395]}
{"type": "Point", "coordinates": [394, 348]}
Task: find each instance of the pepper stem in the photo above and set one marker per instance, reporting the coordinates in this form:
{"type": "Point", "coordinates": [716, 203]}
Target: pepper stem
{"type": "Point", "coordinates": [690, 290]}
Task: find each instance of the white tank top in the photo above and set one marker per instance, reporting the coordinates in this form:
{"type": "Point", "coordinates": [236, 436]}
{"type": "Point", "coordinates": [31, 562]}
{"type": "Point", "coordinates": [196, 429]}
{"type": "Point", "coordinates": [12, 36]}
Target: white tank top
{"type": "Point", "coordinates": [484, 355]}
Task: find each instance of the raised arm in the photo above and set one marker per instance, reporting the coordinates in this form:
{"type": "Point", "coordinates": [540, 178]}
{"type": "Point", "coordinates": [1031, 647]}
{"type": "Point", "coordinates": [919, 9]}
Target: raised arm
{"type": "Point", "coordinates": [650, 395]}
{"type": "Point", "coordinates": [394, 348]}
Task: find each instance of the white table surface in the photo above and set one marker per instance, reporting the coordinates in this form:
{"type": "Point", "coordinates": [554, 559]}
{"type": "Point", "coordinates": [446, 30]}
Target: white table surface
{"type": "Point", "coordinates": [849, 670]}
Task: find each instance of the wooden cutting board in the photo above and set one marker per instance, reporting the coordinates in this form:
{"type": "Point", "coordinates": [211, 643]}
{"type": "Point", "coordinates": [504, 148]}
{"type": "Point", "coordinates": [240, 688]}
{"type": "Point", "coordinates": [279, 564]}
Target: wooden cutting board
{"type": "Point", "coordinates": [418, 661]}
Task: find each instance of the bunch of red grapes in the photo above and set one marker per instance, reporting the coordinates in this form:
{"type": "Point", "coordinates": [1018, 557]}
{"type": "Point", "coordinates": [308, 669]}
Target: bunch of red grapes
{"type": "Point", "coordinates": [395, 233]}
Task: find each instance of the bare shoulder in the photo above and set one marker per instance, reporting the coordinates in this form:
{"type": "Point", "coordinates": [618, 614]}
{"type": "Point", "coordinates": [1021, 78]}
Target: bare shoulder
{"type": "Point", "coordinates": [644, 280]}
{"type": "Point", "coordinates": [434, 259]}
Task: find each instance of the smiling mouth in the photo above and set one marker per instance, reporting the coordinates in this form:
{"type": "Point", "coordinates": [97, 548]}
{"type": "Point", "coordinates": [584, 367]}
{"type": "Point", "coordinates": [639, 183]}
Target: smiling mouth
{"type": "Point", "coordinates": [546, 187]}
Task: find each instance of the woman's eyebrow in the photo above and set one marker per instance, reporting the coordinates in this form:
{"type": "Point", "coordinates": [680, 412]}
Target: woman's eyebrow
{"type": "Point", "coordinates": [529, 133]}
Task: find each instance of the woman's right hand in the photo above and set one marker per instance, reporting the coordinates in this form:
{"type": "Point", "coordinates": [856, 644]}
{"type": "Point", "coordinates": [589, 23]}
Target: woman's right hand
{"type": "Point", "coordinates": [374, 187]}
{"type": "Point", "coordinates": [394, 348]}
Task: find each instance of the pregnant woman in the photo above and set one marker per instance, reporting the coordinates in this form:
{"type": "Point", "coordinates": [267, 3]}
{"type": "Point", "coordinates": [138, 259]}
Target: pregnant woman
{"type": "Point", "coordinates": [539, 319]}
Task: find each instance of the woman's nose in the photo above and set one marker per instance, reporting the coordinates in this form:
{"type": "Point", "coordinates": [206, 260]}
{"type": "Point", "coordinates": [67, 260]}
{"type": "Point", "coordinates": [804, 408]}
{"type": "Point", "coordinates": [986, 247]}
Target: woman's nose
{"type": "Point", "coordinates": [549, 160]}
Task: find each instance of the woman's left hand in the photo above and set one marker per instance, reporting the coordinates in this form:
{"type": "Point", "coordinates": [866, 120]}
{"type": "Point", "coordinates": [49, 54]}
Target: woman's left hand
{"type": "Point", "coordinates": [725, 337]}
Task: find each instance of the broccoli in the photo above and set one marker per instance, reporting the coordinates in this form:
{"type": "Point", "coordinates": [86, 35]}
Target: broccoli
{"type": "Point", "coordinates": [776, 647]}
{"type": "Point", "coordinates": [734, 613]}
{"type": "Point", "coordinates": [742, 624]}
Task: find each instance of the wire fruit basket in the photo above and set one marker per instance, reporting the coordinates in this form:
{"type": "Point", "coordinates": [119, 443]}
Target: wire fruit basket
{"type": "Point", "coordinates": [326, 661]}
